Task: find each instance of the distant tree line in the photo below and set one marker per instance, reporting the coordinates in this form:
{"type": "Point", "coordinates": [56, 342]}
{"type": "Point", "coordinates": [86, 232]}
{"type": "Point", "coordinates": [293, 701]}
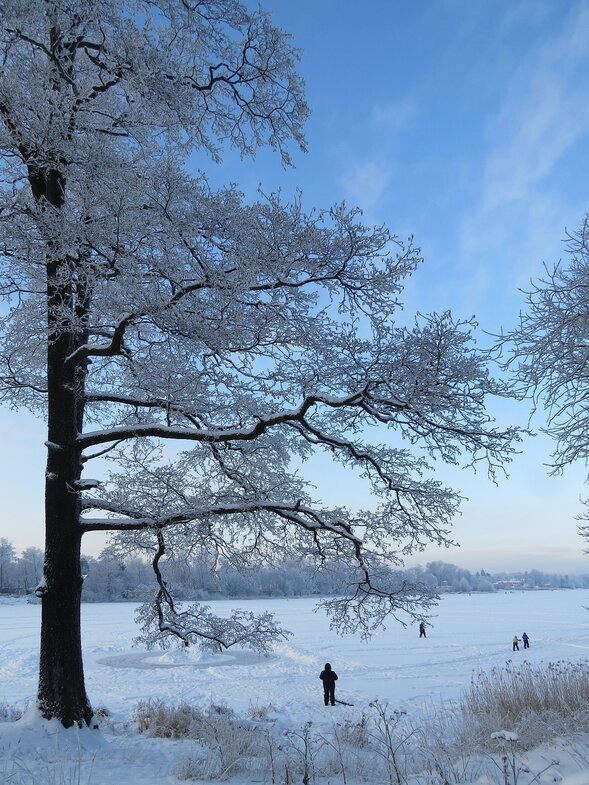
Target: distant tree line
{"type": "Point", "coordinates": [112, 577]}
{"type": "Point", "coordinates": [449, 577]}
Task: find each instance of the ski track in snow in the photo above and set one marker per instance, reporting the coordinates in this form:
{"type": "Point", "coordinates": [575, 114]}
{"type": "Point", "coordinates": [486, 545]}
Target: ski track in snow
{"type": "Point", "coordinates": [144, 661]}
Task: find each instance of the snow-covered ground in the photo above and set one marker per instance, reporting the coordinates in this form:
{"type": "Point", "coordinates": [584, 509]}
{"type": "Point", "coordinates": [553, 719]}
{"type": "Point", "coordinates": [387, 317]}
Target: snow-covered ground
{"type": "Point", "coordinates": [469, 633]}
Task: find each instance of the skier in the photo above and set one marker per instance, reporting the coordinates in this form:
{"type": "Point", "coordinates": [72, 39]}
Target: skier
{"type": "Point", "coordinates": [422, 633]}
{"type": "Point", "coordinates": [515, 643]}
{"type": "Point", "coordinates": [329, 678]}
{"type": "Point", "coordinates": [526, 640]}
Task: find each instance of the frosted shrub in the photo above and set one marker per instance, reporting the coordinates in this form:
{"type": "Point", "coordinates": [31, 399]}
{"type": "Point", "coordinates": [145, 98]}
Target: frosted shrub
{"type": "Point", "coordinates": [345, 749]}
{"type": "Point", "coordinates": [384, 746]}
{"type": "Point", "coordinates": [354, 734]}
{"type": "Point", "coordinates": [357, 751]}
{"type": "Point", "coordinates": [261, 713]}
{"type": "Point", "coordinates": [200, 767]}
{"type": "Point", "coordinates": [181, 721]}
{"type": "Point", "coordinates": [160, 720]}
{"type": "Point", "coordinates": [390, 737]}
{"type": "Point", "coordinates": [538, 701]}
{"type": "Point", "coordinates": [9, 713]}
{"type": "Point", "coordinates": [226, 743]}
{"type": "Point", "coordinates": [445, 749]}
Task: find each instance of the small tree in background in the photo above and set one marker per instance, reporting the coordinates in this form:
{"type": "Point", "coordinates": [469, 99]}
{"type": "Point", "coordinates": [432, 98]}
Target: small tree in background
{"type": "Point", "coordinates": [147, 310]}
{"type": "Point", "coordinates": [30, 568]}
{"type": "Point", "coordinates": [7, 564]}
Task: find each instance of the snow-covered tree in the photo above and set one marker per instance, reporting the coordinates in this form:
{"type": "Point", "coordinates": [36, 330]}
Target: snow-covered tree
{"type": "Point", "coordinates": [7, 564]}
{"type": "Point", "coordinates": [549, 351]}
{"type": "Point", "coordinates": [146, 310]}
{"type": "Point", "coordinates": [30, 568]}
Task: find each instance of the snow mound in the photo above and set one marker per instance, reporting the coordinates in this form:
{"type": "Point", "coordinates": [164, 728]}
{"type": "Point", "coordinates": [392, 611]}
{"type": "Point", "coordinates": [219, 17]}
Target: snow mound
{"type": "Point", "coordinates": [34, 737]}
{"type": "Point", "coordinates": [506, 735]}
{"type": "Point", "coordinates": [289, 653]}
{"type": "Point", "coordinates": [191, 655]}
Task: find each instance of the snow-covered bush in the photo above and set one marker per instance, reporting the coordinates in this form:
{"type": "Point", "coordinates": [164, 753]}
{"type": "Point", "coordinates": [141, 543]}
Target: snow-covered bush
{"type": "Point", "coordinates": [486, 738]}
{"type": "Point", "coordinates": [260, 713]}
{"type": "Point", "coordinates": [225, 743]}
{"type": "Point", "coordinates": [382, 746]}
{"type": "Point", "coordinates": [161, 720]}
{"type": "Point", "coordinates": [9, 713]}
{"type": "Point", "coordinates": [377, 746]}
{"type": "Point", "coordinates": [538, 701]}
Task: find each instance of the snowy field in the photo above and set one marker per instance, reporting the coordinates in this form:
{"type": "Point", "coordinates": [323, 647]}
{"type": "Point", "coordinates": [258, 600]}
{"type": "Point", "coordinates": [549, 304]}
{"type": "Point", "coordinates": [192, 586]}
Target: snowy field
{"type": "Point", "coordinates": [469, 633]}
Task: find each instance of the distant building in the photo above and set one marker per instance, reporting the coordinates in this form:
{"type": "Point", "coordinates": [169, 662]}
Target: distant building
{"type": "Point", "coordinates": [509, 584]}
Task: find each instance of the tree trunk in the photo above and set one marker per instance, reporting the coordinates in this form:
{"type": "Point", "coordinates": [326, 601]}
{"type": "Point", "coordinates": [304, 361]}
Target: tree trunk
{"type": "Point", "coordinates": [62, 691]}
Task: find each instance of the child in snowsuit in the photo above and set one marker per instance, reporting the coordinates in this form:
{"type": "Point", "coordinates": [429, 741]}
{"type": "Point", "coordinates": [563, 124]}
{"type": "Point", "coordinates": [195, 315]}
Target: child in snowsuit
{"type": "Point", "coordinates": [515, 643]}
{"type": "Point", "coordinates": [422, 630]}
{"type": "Point", "coordinates": [329, 678]}
{"type": "Point", "coordinates": [526, 640]}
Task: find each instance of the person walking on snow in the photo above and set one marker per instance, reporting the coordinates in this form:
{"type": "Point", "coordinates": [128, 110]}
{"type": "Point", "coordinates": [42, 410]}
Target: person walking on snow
{"type": "Point", "coordinates": [329, 678]}
{"type": "Point", "coordinates": [526, 640]}
{"type": "Point", "coordinates": [422, 633]}
{"type": "Point", "coordinates": [515, 643]}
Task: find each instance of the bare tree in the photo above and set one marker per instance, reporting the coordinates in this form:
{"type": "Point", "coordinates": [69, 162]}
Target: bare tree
{"type": "Point", "coordinates": [147, 310]}
{"type": "Point", "coordinates": [7, 563]}
{"type": "Point", "coordinates": [549, 351]}
{"type": "Point", "coordinates": [30, 568]}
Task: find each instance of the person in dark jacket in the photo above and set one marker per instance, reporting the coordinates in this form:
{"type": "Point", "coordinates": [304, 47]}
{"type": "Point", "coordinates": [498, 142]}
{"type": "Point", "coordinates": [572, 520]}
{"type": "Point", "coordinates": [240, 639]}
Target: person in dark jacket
{"type": "Point", "coordinates": [526, 640]}
{"type": "Point", "coordinates": [422, 633]}
{"type": "Point", "coordinates": [329, 678]}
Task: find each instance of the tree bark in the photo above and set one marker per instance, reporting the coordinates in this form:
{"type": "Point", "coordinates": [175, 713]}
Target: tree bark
{"type": "Point", "coordinates": [62, 692]}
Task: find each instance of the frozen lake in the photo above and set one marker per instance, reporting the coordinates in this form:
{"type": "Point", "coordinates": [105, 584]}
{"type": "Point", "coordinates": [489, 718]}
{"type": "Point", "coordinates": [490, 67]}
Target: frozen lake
{"type": "Point", "coordinates": [470, 632]}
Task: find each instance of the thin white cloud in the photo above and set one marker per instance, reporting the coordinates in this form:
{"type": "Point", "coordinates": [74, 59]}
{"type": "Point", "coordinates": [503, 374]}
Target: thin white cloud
{"type": "Point", "coordinates": [543, 114]}
{"type": "Point", "coordinates": [538, 125]}
{"type": "Point", "coordinates": [365, 185]}
{"type": "Point", "coordinates": [396, 115]}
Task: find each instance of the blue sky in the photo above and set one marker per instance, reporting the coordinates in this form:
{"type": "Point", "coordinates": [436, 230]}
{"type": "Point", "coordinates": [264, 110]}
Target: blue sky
{"type": "Point", "coordinates": [466, 124]}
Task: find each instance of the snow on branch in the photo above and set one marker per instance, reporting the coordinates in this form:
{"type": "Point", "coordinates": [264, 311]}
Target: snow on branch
{"type": "Point", "coordinates": [307, 518]}
{"type": "Point", "coordinates": [216, 435]}
{"type": "Point", "coordinates": [161, 620]}
{"type": "Point", "coordinates": [367, 605]}
{"type": "Point", "coordinates": [548, 353]}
